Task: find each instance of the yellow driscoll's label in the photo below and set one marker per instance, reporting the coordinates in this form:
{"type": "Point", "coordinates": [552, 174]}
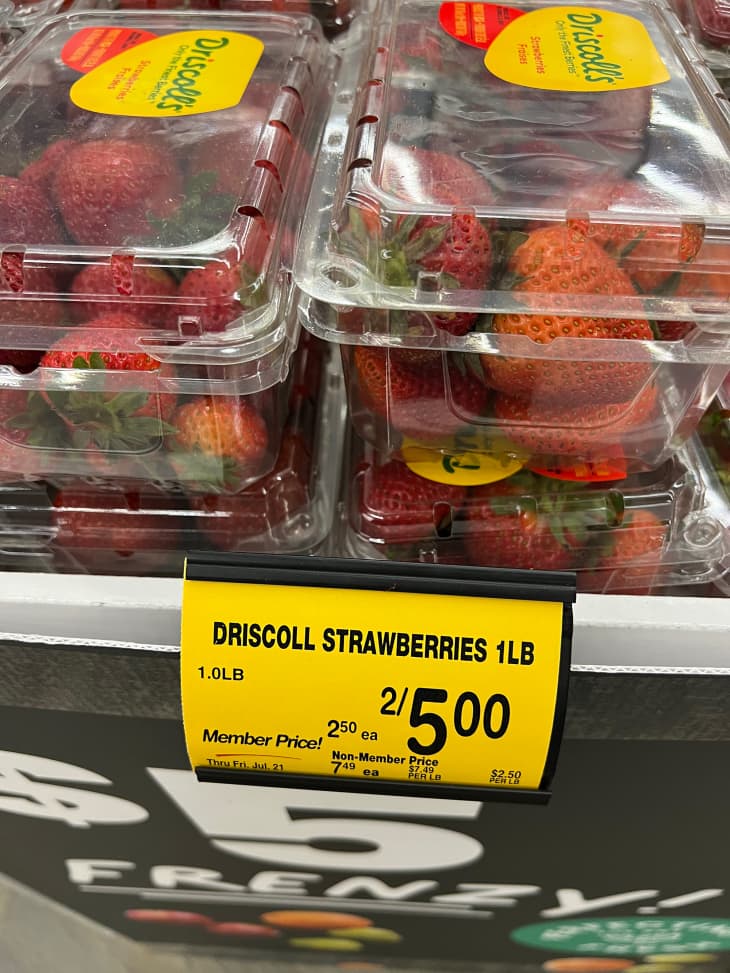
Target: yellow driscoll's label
{"type": "Point", "coordinates": [576, 49]}
{"type": "Point", "coordinates": [466, 464]}
{"type": "Point", "coordinates": [185, 73]}
{"type": "Point", "coordinates": [432, 689]}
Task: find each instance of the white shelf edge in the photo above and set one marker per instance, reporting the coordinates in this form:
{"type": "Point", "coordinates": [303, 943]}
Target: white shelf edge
{"type": "Point", "coordinates": [614, 632]}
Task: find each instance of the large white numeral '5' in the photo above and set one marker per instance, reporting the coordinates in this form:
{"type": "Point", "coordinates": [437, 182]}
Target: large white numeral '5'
{"type": "Point", "coordinates": [259, 823]}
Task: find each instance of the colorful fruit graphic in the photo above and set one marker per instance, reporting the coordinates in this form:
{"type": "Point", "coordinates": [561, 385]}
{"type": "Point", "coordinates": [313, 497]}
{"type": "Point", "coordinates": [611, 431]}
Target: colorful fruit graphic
{"type": "Point", "coordinates": [325, 945]}
{"type": "Point", "coordinates": [306, 920]}
{"type": "Point", "coordinates": [167, 917]}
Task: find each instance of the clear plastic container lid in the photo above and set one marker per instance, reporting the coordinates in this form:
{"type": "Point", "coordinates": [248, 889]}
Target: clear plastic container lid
{"type": "Point", "coordinates": [334, 15]}
{"type": "Point", "coordinates": [470, 190]}
{"type": "Point", "coordinates": [667, 527]}
{"type": "Point", "coordinates": [66, 524]}
{"type": "Point", "coordinates": [159, 161]}
{"type": "Point", "coordinates": [94, 404]}
{"type": "Point", "coordinates": [24, 14]}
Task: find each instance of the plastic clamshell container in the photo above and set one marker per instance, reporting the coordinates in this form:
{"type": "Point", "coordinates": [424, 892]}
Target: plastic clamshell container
{"type": "Point", "coordinates": [715, 436]}
{"type": "Point", "coordinates": [122, 191]}
{"type": "Point", "coordinates": [95, 407]}
{"type": "Point", "coordinates": [71, 526]}
{"type": "Point", "coordinates": [575, 245]}
{"type": "Point", "coordinates": [24, 14]}
{"type": "Point", "coordinates": [707, 20]}
{"type": "Point", "coordinates": [334, 15]}
{"type": "Point", "coordinates": [668, 527]}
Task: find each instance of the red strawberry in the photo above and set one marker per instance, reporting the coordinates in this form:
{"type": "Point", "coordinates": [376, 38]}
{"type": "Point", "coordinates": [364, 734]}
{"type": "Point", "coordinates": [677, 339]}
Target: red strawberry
{"type": "Point", "coordinates": [231, 522]}
{"type": "Point", "coordinates": [103, 528]}
{"type": "Point", "coordinates": [228, 155]}
{"type": "Point", "coordinates": [421, 394]}
{"type": "Point", "coordinates": [399, 507]}
{"type": "Point", "coordinates": [19, 279]}
{"type": "Point", "coordinates": [112, 280]}
{"type": "Point", "coordinates": [673, 330]}
{"type": "Point", "coordinates": [557, 261]}
{"type": "Point", "coordinates": [219, 442]}
{"type": "Point", "coordinates": [27, 425]}
{"type": "Point", "coordinates": [12, 404]}
{"type": "Point", "coordinates": [459, 251]}
{"type": "Point", "coordinates": [221, 291]}
{"type": "Point", "coordinates": [507, 527]}
{"type": "Point", "coordinates": [713, 19]}
{"type": "Point", "coordinates": [104, 424]}
{"type": "Point", "coordinates": [26, 216]}
{"type": "Point", "coordinates": [648, 253]}
{"type": "Point", "coordinates": [575, 434]}
{"type": "Point", "coordinates": [420, 49]}
{"type": "Point", "coordinates": [22, 359]}
{"type": "Point", "coordinates": [116, 191]}
{"type": "Point", "coordinates": [629, 558]}
{"type": "Point", "coordinates": [455, 247]}
{"type": "Point", "coordinates": [41, 173]}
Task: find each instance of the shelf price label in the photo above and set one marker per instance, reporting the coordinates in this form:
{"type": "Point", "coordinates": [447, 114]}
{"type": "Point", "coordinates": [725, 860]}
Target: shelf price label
{"type": "Point", "coordinates": [355, 675]}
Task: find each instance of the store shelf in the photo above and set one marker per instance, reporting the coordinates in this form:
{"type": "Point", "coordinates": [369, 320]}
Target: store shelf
{"type": "Point", "coordinates": [613, 631]}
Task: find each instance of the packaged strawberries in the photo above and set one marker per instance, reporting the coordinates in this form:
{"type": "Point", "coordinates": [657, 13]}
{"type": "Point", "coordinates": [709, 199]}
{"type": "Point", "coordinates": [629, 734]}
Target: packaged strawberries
{"type": "Point", "coordinates": [634, 535]}
{"type": "Point", "coordinates": [96, 404]}
{"type": "Point", "coordinates": [157, 163]}
{"type": "Point", "coordinates": [527, 249]}
{"type": "Point", "coordinates": [72, 524]}
{"type": "Point", "coordinates": [153, 174]}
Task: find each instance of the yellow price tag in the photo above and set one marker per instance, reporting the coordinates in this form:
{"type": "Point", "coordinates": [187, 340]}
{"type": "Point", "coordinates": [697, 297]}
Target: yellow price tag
{"type": "Point", "coordinates": [349, 673]}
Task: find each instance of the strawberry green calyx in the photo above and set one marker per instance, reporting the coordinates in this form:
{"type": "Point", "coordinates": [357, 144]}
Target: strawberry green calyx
{"type": "Point", "coordinates": [131, 420]}
{"type": "Point", "coordinates": [203, 214]}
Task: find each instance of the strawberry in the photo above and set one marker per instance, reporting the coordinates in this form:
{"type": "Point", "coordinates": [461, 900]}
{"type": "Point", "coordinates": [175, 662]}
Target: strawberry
{"type": "Point", "coordinates": [508, 527]}
{"type": "Point", "coordinates": [12, 404]}
{"type": "Point", "coordinates": [648, 253]}
{"type": "Point", "coordinates": [713, 20]}
{"type": "Point", "coordinates": [104, 423]}
{"type": "Point", "coordinates": [221, 291]}
{"type": "Point", "coordinates": [114, 192]}
{"type": "Point", "coordinates": [232, 522]}
{"type": "Point", "coordinates": [103, 528]}
{"type": "Point", "coordinates": [21, 279]}
{"type": "Point", "coordinates": [111, 281]}
{"type": "Point", "coordinates": [219, 442]}
{"type": "Point", "coordinates": [22, 359]}
{"type": "Point", "coordinates": [455, 247]}
{"type": "Point", "coordinates": [26, 216]}
{"type": "Point", "coordinates": [715, 433]}
{"type": "Point", "coordinates": [422, 394]}
{"type": "Point", "coordinates": [397, 506]}
{"type": "Point", "coordinates": [575, 434]}
{"type": "Point", "coordinates": [41, 172]}
{"type": "Point", "coordinates": [640, 538]}
{"type": "Point", "coordinates": [673, 330]}
{"type": "Point", "coordinates": [230, 153]}
{"type": "Point", "coordinates": [419, 50]}
{"type": "Point", "coordinates": [558, 260]}
{"type": "Point", "coordinates": [25, 422]}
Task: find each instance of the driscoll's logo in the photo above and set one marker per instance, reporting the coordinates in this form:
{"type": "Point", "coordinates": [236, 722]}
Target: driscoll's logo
{"type": "Point", "coordinates": [587, 37]}
{"type": "Point", "coordinates": [182, 91]}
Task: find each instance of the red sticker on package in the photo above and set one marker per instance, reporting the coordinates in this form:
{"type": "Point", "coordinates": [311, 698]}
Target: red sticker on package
{"type": "Point", "coordinates": [605, 471]}
{"type": "Point", "coordinates": [92, 46]}
{"type": "Point", "coordinates": [476, 24]}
